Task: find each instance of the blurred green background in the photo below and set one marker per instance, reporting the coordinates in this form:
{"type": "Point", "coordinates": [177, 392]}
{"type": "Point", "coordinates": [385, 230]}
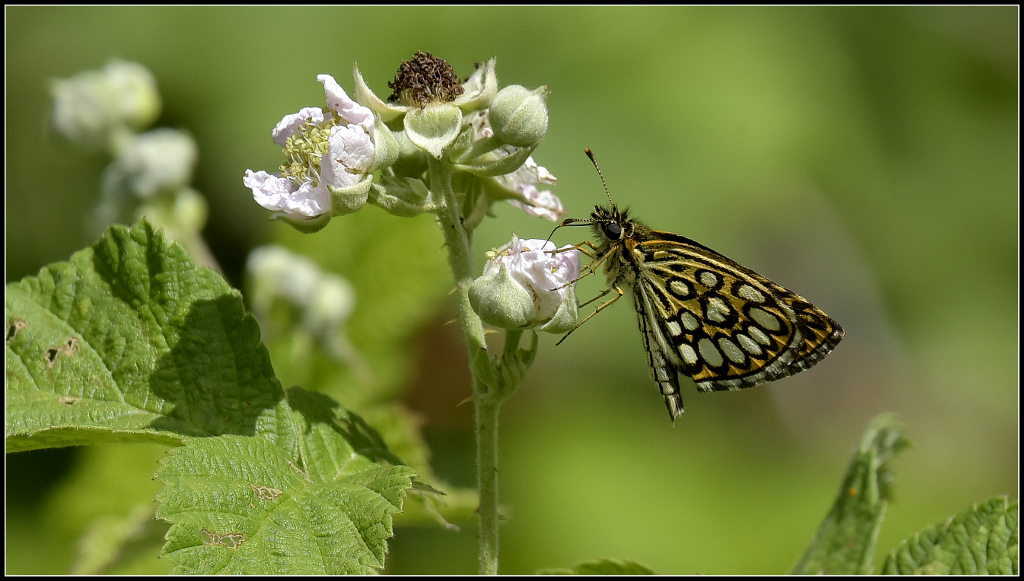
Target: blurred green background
{"type": "Point", "coordinates": [866, 158]}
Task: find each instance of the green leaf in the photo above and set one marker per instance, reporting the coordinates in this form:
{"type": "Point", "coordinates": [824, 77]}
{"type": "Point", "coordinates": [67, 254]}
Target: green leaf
{"type": "Point", "coordinates": [980, 540]}
{"type": "Point", "coordinates": [845, 541]}
{"type": "Point", "coordinates": [248, 506]}
{"type": "Point", "coordinates": [602, 567]}
{"type": "Point", "coordinates": [129, 341]}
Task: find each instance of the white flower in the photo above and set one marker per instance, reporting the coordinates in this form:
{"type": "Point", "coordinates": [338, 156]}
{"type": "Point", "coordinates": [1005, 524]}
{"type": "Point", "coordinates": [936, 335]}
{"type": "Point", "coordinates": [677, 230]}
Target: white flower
{"type": "Point", "coordinates": [527, 284]}
{"type": "Point", "coordinates": [94, 108]}
{"type": "Point", "coordinates": [330, 156]}
{"type": "Point", "coordinates": [338, 101]}
{"type": "Point", "coordinates": [349, 154]}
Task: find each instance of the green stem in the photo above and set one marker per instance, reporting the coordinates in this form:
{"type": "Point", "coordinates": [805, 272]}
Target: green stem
{"type": "Point", "coordinates": [487, 403]}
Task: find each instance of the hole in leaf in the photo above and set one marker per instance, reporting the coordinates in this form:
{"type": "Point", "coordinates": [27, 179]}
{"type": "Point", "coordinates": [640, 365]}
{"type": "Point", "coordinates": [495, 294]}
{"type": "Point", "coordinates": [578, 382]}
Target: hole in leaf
{"type": "Point", "coordinates": [68, 400]}
{"type": "Point", "coordinates": [51, 356]}
{"type": "Point", "coordinates": [71, 346]}
{"type": "Point", "coordinates": [14, 327]}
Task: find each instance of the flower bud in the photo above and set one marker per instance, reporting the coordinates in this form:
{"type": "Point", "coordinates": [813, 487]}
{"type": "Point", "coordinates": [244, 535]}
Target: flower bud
{"type": "Point", "coordinates": [500, 300]}
{"type": "Point", "coordinates": [153, 163]}
{"type": "Point", "coordinates": [519, 116]}
{"type": "Point", "coordinates": [527, 284]}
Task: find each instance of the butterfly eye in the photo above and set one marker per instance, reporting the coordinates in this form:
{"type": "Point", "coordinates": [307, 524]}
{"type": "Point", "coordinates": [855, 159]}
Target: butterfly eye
{"type": "Point", "coordinates": [612, 230]}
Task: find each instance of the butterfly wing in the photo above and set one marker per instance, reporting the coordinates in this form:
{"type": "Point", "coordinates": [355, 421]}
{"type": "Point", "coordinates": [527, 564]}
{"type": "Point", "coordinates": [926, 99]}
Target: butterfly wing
{"type": "Point", "coordinates": [720, 323]}
{"type": "Point", "coordinates": [660, 354]}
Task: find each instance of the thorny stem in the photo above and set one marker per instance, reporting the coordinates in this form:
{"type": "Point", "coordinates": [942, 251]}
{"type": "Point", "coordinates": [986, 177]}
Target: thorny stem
{"type": "Point", "coordinates": [487, 402]}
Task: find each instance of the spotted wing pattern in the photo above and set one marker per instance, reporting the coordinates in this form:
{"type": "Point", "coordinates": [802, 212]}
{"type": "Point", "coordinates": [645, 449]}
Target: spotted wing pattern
{"type": "Point", "coordinates": [706, 316]}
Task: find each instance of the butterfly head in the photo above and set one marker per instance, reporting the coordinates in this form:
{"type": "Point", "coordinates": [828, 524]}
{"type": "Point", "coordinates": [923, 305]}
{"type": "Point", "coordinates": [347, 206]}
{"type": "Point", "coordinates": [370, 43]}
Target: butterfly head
{"type": "Point", "coordinates": [610, 223]}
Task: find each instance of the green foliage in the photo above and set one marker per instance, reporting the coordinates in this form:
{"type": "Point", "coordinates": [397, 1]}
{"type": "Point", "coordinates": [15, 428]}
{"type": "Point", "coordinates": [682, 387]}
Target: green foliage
{"type": "Point", "coordinates": [398, 270]}
{"type": "Point", "coordinates": [601, 567]}
{"type": "Point", "coordinates": [845, 542]}
{"type": "Point", "coordinates": [980, 540]}
{"type": "Point", "coordinates": [129, 342]}
{"type": "Point", "coordinates": [244, 506]}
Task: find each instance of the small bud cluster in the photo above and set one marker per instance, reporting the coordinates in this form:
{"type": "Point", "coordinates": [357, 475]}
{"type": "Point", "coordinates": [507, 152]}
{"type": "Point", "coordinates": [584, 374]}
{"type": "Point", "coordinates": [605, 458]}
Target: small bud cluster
{"type": "Point", "coordinates": [150, 172]}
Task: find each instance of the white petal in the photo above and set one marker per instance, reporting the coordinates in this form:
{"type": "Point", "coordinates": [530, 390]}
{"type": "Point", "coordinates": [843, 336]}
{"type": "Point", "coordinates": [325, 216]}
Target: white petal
{"type": "Point", "coordinates": [532, 265]}
{"type": "Point", "coordinates": [349, 155]}
{"type": "Point", "coordinates": [279, 194]}
{"type": "Point", "coordinates": [545, 204]}
{"type": "Point", "coordinates": [339, 101]}
{"type": "Point", "coordinates": [292, 122]}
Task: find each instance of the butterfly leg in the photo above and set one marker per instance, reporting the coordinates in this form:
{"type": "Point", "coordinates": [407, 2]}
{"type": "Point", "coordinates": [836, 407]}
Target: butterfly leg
{"type": "Point", "coordinates": [596, 311]}
{"type": "Point", "coordinates": [584, 272]}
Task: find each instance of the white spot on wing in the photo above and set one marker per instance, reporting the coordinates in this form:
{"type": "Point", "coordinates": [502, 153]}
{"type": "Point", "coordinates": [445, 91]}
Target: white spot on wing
{"type": "Point", "coordinates": [689, 321]}
{"type": "Point", "coordinates": [679, 288]}
{"type": "Point", "coordinates": [712, 356]}
{"type": "Point", "coordinates": [688, 354]}
{"type": "Point", "coordinates": [673, 328]}
{"type": "Point", "coordinates": [708, 279]}
{"type": "Point", "coordinates": [748, 344]}
{"type": "Point", "coordinates": [731, 350]}
{"type": "Point", "coordinates": [750, 293]}
{"type": "Point", "coordinates": [717, 310]}
{"type": "Point", "coordinates": [759, 336]}
{"type": "Point", "coordinates": [765, 319]}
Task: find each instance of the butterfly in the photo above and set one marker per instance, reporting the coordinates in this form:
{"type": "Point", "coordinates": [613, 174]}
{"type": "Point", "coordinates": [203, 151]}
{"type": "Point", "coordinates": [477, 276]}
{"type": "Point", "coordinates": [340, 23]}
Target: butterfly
{"type": "Point", "coordinates": [701, 314]}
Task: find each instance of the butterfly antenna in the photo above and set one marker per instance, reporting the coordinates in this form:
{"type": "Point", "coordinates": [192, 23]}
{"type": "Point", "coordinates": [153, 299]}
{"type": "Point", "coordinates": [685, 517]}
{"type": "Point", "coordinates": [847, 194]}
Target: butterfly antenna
{"type": "Point", "coordinates": [593, 160]}
{"type": "Point", "coordinates": [582, 221]}
{"type": "Point", "coordinates": [568, 222]}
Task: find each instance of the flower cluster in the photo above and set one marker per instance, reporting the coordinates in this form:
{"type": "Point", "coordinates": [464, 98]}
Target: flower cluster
{"type": "Point", "coordinates": [364, 149]}
{"type": "Point", "coordinates": [150, 171]}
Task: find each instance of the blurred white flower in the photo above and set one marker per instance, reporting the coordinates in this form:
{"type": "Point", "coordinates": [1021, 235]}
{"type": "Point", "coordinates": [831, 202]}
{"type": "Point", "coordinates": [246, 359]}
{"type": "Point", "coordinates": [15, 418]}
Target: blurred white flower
{"type": "Point", "coordinates": [96, 108]}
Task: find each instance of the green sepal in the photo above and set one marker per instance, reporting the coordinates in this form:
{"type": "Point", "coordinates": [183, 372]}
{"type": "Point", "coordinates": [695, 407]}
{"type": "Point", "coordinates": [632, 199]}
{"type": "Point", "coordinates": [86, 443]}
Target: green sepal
{"type": "Point", "coordinates": [365, 96]}
{"type": "Point", "coordinates": [501, 301]}
{"type": "Point", "coordinates": [401, 200]}
{"type": "Point", "coordinates": [434, 127]}
{"type": "Point", "coordinates": [387, 146]}
{"type": "Point", "coordinates": [480, 88]}
{"type": "Point", "coordinates": [350, 199]}
{"type": "Point", "coordinates": [304, 225]}
{"type": "Point", "coordinates": [566, 316]}
{"type": "Point", "coordinates": [488, 166]}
